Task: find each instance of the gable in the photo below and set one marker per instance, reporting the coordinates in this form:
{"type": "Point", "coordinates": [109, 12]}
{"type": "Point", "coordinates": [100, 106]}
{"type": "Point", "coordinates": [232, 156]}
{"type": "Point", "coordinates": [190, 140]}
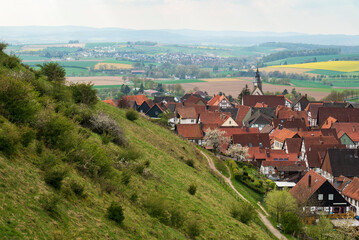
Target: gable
{"type": "Point", "coordinates": [326, 188]}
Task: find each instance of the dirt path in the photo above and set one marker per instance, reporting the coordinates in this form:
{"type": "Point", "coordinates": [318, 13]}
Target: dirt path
{"type": "Point", "coordinates": [263, 218]}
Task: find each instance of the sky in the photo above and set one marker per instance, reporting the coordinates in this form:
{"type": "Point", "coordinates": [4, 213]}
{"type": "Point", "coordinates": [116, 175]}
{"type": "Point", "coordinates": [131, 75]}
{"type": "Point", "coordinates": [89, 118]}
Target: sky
{"type": "Point", "coordinates": [302, 16]}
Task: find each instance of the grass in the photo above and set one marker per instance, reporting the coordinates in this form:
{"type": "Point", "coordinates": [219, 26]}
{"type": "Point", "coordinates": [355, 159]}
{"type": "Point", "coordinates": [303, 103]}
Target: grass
{"type": "Point", "coordinates": [341, 66]}
{"type": "Point", "coordinates": [23, 187]}
{"type": "Point", "coordinates": [107, 86]}
{"type": "Point", "coordinates": [308, 84]}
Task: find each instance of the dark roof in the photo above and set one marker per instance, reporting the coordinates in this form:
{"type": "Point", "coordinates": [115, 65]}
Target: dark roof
{"type": "Point", "coordinates": [195, 100]}
{"type": "Point", "coordinates": [316, 153]}
{"type": "Point", "coordinates": [267, 129]}
{"type": "Point", "coordinates": [187, 95]}
{"type": "Point", "coordinates": [270, 112]}
{"type": "Point", "coordinates": [300, 98]}
{"type": "Point", "coordinates": [258, 118]}
{"type": "Point", "coordinates": [344, 162]}
{"type": "Point", "coordinates": [289, 123]}
{"type": "Point", "coordinates": [341, 114]}
{"type": "Point", "coordinates": [159, 99]}
{"type": "Point", "coordinates": [232, 111]}
{"type": "Point", "coordinates": [270, 100]}
{"type": "Point", "coordinates": [336, 104]}
{"type": "Point", "coordinates": [252, 139]}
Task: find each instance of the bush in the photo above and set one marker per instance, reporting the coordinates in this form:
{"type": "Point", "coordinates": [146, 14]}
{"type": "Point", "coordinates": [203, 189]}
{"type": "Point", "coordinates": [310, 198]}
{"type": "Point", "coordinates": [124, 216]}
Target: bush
{"type": "Point", "coordinates": [115, 212]}
{"type": "Point", "coordinates": [190, 163]}
{"type": "Point", "coordinates": [193, 228]}
{"type": "Point", "coordinates": [77, 188]}
{"type": "Point", "coordinates": [103, 124]}
{"type": "Point", "coordinates": [54, 178]}
{"type": "Point", "coordinates": [129, 155]}
{"type": "Point", "coordinates": [84, 93]}
{"type": "Point", "coordinates": [9, 137]}
{"type": "Point", "coordinates": [27, 136]}
{"type": "Point", "coordinates": [50, 204]}
{"type": "Point", "coordinates": [54, 72]}
{"type": "Point", "coordinates": [18, 101]}
{"type": "Point", "coordinates": [132, 115]}
{"type": "Point", "coordinates": [192, 189]}
{"type": "Point", "coordinates": [56, 130]}
{"type": "Point", "coordinates": [244, 212]}
{"type": "Point", "coordinates": [158, 207]}
{"type": "Point", "coordinates": [291, 223]}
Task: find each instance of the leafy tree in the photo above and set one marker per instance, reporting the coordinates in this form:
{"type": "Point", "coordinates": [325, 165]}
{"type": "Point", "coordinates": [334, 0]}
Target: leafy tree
{"type": "Point", "coordinates": [238, 152]}
{"type": "Point", "coordinates": [142, 89]}
{"type": "Point", "coordinates": [215, 139]}
{"type": "Point", "coordinates": [244, 212]}
{"type": "Point", "coordinates": [84, 93]}
{"type": "Point", "coordinates": [54, 72]}
{"type": "Point", "coordinates": [127, 90]}
{"type": "Point", "coordinates": [245, 91]}
{"type": "Point", "coordinates": [3, 46]}
{"type": "Point", "coordinates": [291, 223]}
{"type": "Point", "coordinates": [320, 231]}
{"type": "Point", "coordinates": [280, 202]}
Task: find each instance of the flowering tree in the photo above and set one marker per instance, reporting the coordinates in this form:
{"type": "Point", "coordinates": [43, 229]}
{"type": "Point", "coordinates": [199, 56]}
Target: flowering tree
{"type": "Point", "coordinates": [238, 152]}
{"type": "Point", "coordinates": [215, 139]}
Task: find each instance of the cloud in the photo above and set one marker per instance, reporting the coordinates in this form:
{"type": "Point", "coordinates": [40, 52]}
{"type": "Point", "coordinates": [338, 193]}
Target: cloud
{"type": "Point", "coordinates": [307, 16]}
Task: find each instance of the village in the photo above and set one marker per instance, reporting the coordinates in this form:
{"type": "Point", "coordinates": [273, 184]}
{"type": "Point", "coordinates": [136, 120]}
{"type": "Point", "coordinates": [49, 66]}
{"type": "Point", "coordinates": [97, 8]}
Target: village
{"type": "Point", "coordinates": [307, 146]}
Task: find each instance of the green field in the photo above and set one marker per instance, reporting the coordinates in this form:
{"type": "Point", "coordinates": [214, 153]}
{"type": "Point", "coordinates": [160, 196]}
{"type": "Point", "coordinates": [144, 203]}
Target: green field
{"type": "Point", "coordinates": [179, 81]}
{"type": "Point", "coordinates": [308, 84]}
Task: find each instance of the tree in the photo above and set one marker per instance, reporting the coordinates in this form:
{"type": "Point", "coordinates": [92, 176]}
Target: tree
{"type": "Point", "coordinates": [115, 212]}
{"type": "Point", "coordinates": [280, 202]}
{"type": "Point", "coordinates": [245, 212]}
{"type": "Point", "coordinates": [245, 91]}
{"type": "Point", "coordinates": [54, 72]}
{"type": "Point", "coordinates": [127, 90]}
{"type": "Point", "coordinates": [291, 223]}
{"type": "Point", "coordinates": [322, 230]}
{"type": "Point", "coordinates": [238, 152]}
{"type": "Point", "coordinates": [84, 93]}
{"type": "Point", "coordinates": [142, 89]}
{"type": "Point", "coordinates": [215, 139]}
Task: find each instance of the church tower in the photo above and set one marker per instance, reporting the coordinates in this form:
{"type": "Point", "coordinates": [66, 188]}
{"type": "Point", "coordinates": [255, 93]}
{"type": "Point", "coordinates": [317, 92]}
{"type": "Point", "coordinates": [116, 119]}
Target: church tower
{"type": "Point", "coordinates": [257, 81]}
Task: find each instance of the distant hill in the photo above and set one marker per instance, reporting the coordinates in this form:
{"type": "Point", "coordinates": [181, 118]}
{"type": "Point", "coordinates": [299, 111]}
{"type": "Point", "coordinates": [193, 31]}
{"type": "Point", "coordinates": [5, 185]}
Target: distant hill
{"type": "Point", "coordinates": [42, 34]}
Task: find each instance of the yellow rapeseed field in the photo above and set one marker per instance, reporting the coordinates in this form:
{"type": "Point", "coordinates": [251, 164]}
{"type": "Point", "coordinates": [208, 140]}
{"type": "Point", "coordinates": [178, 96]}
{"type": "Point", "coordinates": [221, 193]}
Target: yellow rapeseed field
{"type": "Point", "coordinates": [340, 66]}
{"type": "Point", "coordinates": [113, 66]}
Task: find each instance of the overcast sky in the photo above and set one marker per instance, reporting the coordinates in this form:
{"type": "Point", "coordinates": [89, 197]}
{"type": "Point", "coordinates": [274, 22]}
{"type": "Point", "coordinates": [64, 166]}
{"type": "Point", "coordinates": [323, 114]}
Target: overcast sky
{"type": "Point", "coordinates": [304, 16]}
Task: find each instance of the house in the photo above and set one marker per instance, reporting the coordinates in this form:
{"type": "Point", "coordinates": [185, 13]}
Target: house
{"type": "Point", "coordinates": [340, 162]}
{"type": "Point", "coordinates": [312, 113]}
{"type": "Point", "coordinates": [163, 99]}
{"type": "Point", "coordinates": [316, 194]}
{"type": "Point", "coordinates": [155, 111]}
{"type": "Point", "coordinates": [341, 114]}
{"type": "Point", "coordinates": [188, 95]}
{"type": "Point", "coordinates": [260, 140]}
{"type": "Point", "coordinates": [258, 120]}
{"type": "Point", "coordinates": [279, 135]}
{"type": "Point", "coordinates": [145, 106]}
{"type": "Point", "coordinates": [195, 100]}
{"type": "Point", "coordinates": [351, 129]}
{"type": "Point", "coordinates": [220, 118]}
{"type": "Point", "coordinates": [346, 140]}
{"type": "Point", "coordinates": [269, 100]}
{"type": "Point", "coordinates": [244, 113]}
{"type": "Point", "coordinates": [298, 102]}
{"type": "Point", "coordinates": [283, 167]}
{"type": "Point", "coordinates": [351, 194]}
{"type": "Point", "coordinates": [290, 123]}
{"type": "Point", "coordinates": [192, 132]}
{"type": "Point", "coordinates": [293, 145]}
{"type": "Point", "coordinates": [138, 98]}
{"type": "Point", "coordinates": [221, 101]}
{"type": "Point", "coordinates": [286, 113]}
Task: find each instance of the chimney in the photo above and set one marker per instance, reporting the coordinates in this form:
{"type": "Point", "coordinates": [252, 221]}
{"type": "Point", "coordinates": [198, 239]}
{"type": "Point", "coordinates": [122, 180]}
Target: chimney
{"type": "Point", "coordinates": [354, 129]}
{"type": "Point", "coordinates": [268, 154]}
{"type": "Point", "coordinates": [309, 180]}
{"type": "Point", "coordinates": [280, 126]}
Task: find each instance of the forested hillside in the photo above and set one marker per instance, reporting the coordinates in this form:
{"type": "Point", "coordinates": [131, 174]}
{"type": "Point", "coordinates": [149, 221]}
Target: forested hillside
{"type": "Point", "coordinates": [75, 168]}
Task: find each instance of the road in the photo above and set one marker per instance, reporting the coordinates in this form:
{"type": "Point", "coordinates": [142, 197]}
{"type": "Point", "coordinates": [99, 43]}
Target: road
{"type": "Point", "coordinates": [263, 218]}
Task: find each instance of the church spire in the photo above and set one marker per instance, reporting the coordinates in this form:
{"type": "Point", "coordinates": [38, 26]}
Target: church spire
{"type": "Point", "coordinates": [257, 81]}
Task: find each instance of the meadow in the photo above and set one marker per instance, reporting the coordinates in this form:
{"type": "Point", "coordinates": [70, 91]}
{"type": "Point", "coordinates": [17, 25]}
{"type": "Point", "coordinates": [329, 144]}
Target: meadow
{"type": "Point", "coordinates": [339, 66]}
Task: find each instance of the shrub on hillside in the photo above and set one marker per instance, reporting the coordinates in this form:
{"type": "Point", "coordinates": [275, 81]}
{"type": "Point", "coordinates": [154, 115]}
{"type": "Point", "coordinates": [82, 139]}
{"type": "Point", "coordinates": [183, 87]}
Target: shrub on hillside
{"type": "Point", "coordinates": [132, 115]}
{"type": "Point", "coordinates": [115, 212]}
{"type": "Point", "coordinates": [18, 101]}
{"type": "Point", "coordinates": [291, 223]}
{"type": "Point", "coordinates": [9, 137]}
{"type": "Point", "coordinates": [192, 189]}
{"type": "Point", "coordinates": [103, 124]}
{"type": "Point", "coordinates": [54, 72]}
{"type": "Point", "coordinates": [27, 135]}
{"type": "Point", "coordinates": [244, 212]}
{"type": "Point", "coordinates": [193, 228]}
{"type": "Point", "coordinates": [54, 177]}
{"type": "Point", "coordinates": [84, 93]}
{"type": "Point", "coordinates": [77, 188]}
{"type": "Point", "coordinates": [190, 163]}
{"type": "Point", "coordinates": [50, 204]}
{"type": "Point", "coordinates": [56, 130]}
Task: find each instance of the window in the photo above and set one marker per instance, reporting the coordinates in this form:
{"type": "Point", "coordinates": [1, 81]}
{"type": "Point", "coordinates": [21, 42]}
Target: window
{"type": "Point", "coordinates": [330, 196]}
{"type": "Point", "coordinates": [192, 120]}
{"type": "Point", "coordinates": [320, 196]}
{"type": "Point", "coordinates": [275, 159]}
{"type": "Point", "coordinates": [250, 144]}
{"type": "Point", "coordinates": [280, 159]}
{"type": "Point", "coordinates": [285, 159]}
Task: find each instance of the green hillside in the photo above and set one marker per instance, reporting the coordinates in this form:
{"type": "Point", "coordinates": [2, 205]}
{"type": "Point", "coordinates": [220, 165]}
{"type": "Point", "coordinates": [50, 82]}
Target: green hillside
{"type": "Point", "coordinates": [65, 159]}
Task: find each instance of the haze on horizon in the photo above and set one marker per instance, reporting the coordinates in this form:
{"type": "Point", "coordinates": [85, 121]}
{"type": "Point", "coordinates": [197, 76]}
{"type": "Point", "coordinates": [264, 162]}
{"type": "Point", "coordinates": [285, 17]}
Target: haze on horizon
{"type": "Point", "coordinates": [302, 16]}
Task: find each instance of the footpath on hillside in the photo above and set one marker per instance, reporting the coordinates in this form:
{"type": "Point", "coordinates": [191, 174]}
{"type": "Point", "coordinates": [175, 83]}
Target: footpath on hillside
{"type": "Point", "coordinates": [228, 180]}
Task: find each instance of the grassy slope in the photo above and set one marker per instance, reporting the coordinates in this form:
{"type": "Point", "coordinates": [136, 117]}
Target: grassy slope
{"type": "Point", "coordinates": [22, 185]}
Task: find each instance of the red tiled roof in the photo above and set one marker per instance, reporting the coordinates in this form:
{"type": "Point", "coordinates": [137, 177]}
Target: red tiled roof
{"type": "Point", "coordinates": [216, 100]}
{"type": "Point", "coordinates": [294, 123]}
{"type": "Point", "coordinates": [187, 112]}
{"type": "Point", "coordinates": [242, 112]}
{"type": "Point", "coordinates": [316, 152]}
{"type": "Point", "coordinates": [282, 134]}
{"type": "Point", "coordinates": [341, 114]}
{"type": "Point", "coordinates": [252, 139]}
{"type": "Point", "coordinates": [195, 100]}
{"type": "Point", "coordinates": [318, 132]}
{"type": "Point", "coordinates": [111, 102]}
{"type": "Point", "coordinates": [328, 123]}
{"type": "Point", "coordinates": [260, 105]}
{"type": "Point", "coordinates": [351, 129]}
{"type": "Point", "coordinates": [313, 109]}
{"type": "Point", "coordinates": [189, 131]}
{"type": "Point", "coordinates": [207, 126]}
{"type": "Point", "coordinates": [352, 189]}
{"type": "Point", "coordinates": [286, 114]}
{"type": "Point", "coordinates": [294, 145]}
{"type": "Point", "coordinates": [302, 191]}
{"type": "Point", "coordinates": [138, 98]}
{"type": "Point", "coordinates": [213, 117]}
{"type": "Point", "coordinates": [270, 100]}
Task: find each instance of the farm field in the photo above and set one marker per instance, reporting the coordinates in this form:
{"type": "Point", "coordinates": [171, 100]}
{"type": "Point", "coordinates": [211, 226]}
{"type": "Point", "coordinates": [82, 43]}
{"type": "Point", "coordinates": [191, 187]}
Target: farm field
{"type": "Point", "coordinates": [97, 80]}
{"type": "Point", "coordinates": [112, 66]}
{"type": "Point", "coordinates": [320, 58]}
{"type": "Point", "coordinates": [181, 81]}
{"type": "Point", "coordinates": [288, 69]}
{"type": "Point", "coordinates": [340, 66]}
